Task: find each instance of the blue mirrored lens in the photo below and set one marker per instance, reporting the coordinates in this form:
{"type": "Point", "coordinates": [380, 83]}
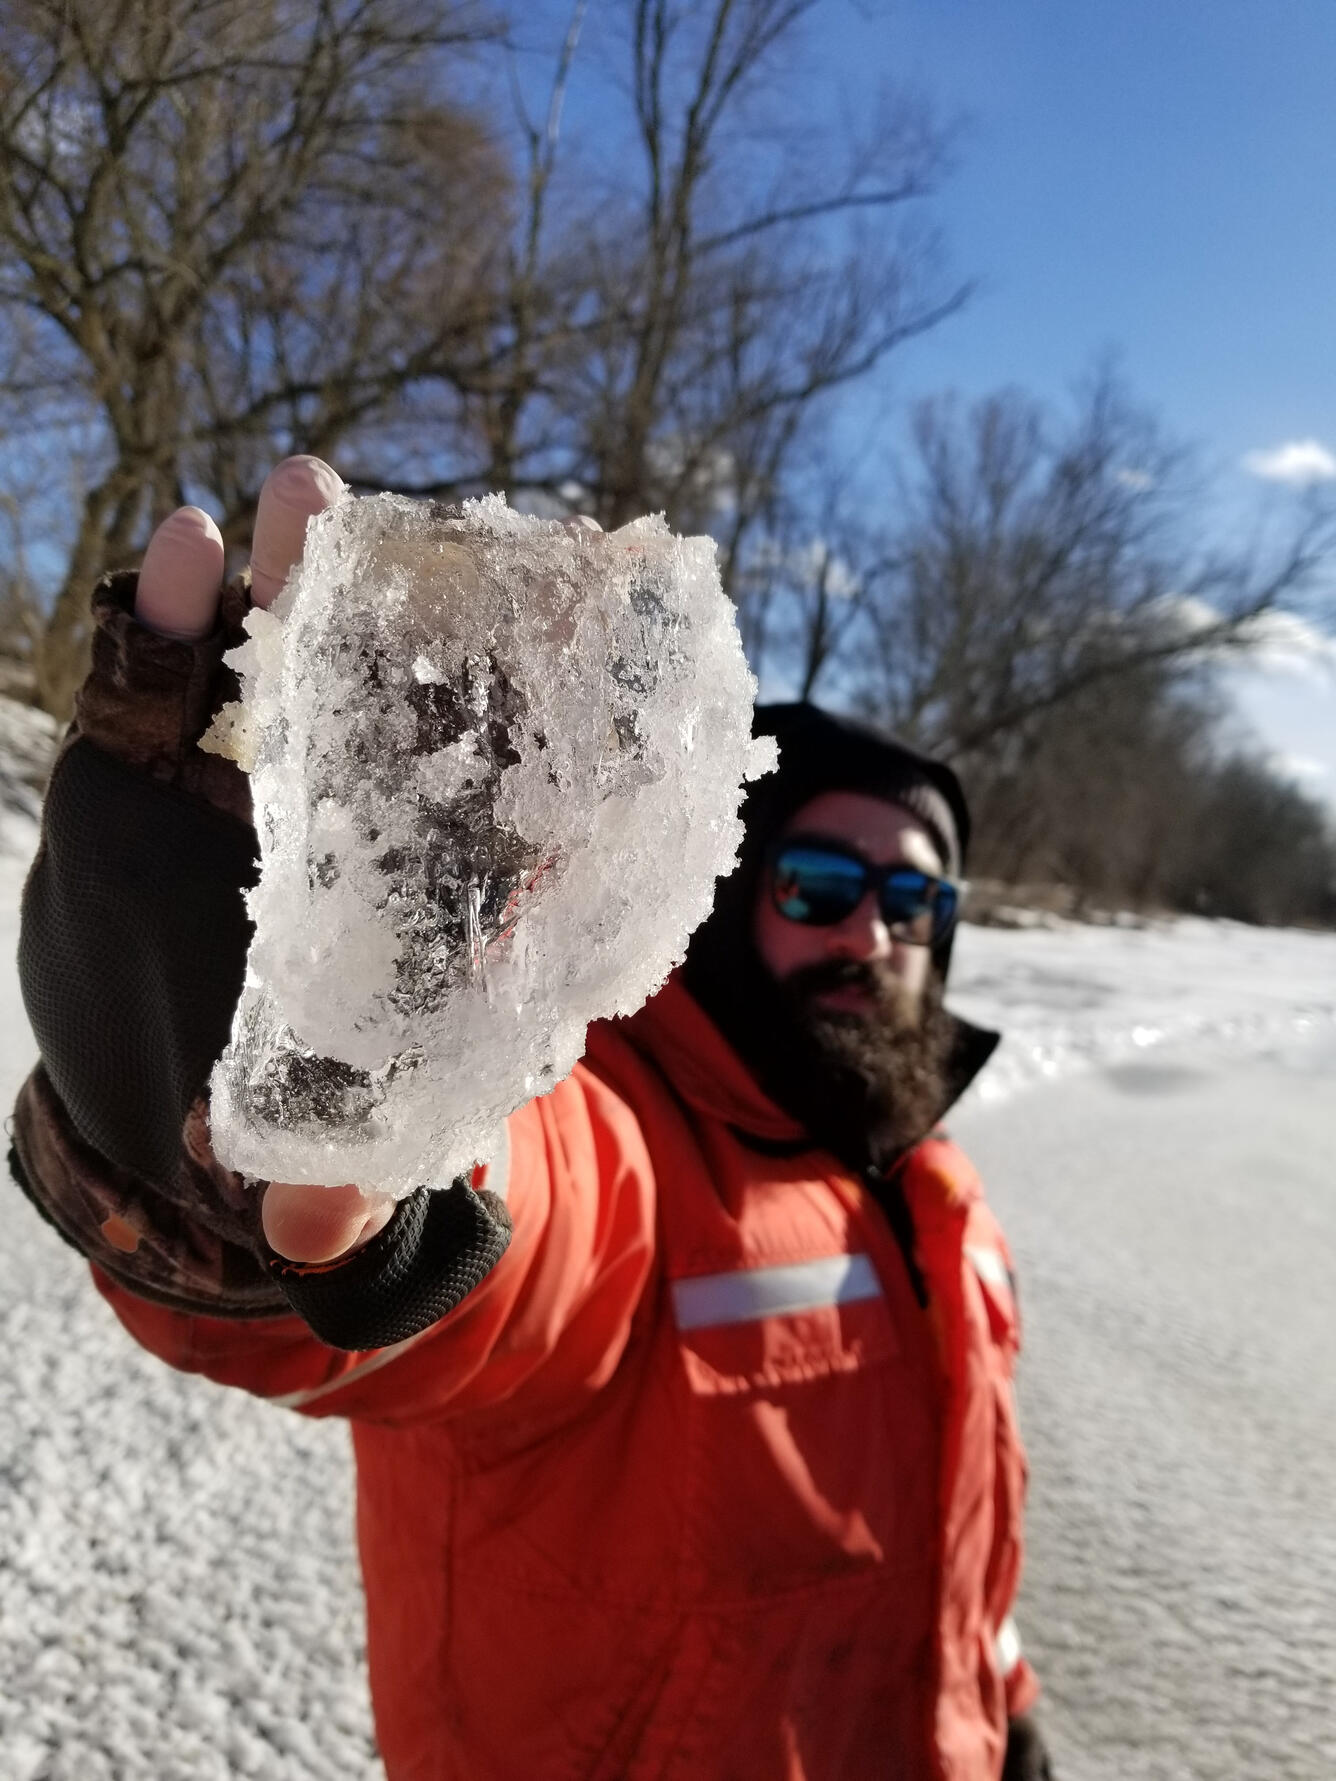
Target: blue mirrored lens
{"type": "Point", "coordinates": [911, 899]}
{"type": "Point", "coordinates": [818, 887]}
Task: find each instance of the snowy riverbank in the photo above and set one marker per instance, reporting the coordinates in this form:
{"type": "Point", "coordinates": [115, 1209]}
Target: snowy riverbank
{"type": "Point", "coordinates": [178, 1590]}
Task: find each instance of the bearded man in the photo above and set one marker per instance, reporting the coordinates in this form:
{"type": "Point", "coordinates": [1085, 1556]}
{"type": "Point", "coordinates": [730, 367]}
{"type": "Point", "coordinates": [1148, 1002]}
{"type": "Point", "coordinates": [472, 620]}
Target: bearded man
{"type": "Point", "coordinates": [685, 1433]}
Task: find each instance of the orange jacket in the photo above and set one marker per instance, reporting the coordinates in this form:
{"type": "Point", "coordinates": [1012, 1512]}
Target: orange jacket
{"type": "Point", "coordinates": [690, 1486]}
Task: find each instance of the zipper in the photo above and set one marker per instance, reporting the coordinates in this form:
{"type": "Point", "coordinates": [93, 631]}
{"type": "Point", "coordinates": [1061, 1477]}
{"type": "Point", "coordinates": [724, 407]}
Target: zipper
{"type": "Point", "coordinates": [886, 1246]}
{"type": "Point", "coordinates": [941, 1233]}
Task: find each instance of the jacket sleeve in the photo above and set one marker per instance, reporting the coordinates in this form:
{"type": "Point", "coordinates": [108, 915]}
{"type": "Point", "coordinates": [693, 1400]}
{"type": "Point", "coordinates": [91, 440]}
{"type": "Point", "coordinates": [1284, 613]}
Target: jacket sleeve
{"type": "Point", "coordinates": [132, 952]}
{"type": "Point", "coordinates": [541, 1333]}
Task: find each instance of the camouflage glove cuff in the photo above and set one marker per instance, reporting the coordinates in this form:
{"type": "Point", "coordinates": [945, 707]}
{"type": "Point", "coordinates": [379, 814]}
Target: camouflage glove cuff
{"type": "Point", "coordinates": [149, 698]}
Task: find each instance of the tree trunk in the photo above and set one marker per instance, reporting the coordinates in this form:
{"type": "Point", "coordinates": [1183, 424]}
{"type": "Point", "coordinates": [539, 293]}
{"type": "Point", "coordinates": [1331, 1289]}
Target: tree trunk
{"type": "Point", "coordinates": [104, 541]}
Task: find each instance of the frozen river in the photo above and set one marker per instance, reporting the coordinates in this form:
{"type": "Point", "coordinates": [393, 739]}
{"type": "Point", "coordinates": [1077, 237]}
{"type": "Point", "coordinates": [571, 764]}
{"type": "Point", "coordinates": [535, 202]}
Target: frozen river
{"type": "Point", "coordinates": [178, 1593]}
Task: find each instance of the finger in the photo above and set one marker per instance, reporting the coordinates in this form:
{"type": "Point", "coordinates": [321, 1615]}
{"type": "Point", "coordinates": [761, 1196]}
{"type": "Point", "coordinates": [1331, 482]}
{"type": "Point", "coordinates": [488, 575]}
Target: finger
{"type": "Point", "coordinates": [293, 492]}
{"type": "Point", "coordinates": [319, 1224]}
{"type": "Point", "coordinates": [182, 576]}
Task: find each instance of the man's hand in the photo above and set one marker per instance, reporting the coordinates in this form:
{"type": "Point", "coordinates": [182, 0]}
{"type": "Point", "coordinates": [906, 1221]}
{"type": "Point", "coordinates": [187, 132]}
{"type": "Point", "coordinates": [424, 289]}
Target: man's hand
{"type": "Point", "coordinates": [179, 588]}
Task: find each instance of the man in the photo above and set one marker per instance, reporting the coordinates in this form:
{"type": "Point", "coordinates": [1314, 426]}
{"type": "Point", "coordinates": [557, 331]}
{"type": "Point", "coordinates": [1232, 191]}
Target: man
{"type": "Point", "coordinates": [685, 1435]}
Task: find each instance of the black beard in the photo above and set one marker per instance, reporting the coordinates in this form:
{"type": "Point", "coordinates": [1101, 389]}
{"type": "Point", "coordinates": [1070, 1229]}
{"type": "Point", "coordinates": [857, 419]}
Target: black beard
{"type": "Point", "coordinates": [866, 1086]}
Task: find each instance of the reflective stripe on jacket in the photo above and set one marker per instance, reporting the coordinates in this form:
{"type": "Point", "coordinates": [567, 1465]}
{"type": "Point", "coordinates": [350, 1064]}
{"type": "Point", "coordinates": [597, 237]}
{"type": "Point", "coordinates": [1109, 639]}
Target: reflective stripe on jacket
{"type": "Point", "coordinates": [690, 1488]}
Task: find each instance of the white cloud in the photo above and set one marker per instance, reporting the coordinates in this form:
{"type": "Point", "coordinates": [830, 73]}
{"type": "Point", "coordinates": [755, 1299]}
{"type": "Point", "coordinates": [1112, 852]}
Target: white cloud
{"type": "Point", "coordinates": [1183, 615]}
{"type": "Point", "coordinates": [1134, 479]}
{"type": "Point", "coordinates": [806, 563]}
{"type": "Point", "coordinates": [1284, 643]}
{"type": "Point", "coordinates": [1298, 461]}
{"type": "Point", "coordinates": [1302, 769]}
{"type": "Point", "coordinates": [1274, 642]}
{"type": "Point", "coordinates": [815, 559]}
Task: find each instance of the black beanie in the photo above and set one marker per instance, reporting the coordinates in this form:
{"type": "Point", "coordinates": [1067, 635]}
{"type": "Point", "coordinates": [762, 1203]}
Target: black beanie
{"type": "Point", "coordinates": [819, 752]}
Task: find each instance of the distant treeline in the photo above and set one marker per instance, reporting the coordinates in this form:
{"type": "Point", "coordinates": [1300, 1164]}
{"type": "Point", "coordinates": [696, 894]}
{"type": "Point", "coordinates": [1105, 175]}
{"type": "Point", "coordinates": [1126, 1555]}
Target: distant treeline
{"type": "Point", "coordinates": [1038, 606]}
{"type": "Point", "coordinates": [1136, 797]}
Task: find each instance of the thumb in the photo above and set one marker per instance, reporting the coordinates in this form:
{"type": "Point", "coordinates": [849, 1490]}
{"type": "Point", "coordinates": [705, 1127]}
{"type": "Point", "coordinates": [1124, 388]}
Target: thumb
{"type": "Point", "coordinates": [321, 1224]}
{"type": "Point", "coordinates": [293, 493]}
{"type": "Point", "coordinates": [182, 576]}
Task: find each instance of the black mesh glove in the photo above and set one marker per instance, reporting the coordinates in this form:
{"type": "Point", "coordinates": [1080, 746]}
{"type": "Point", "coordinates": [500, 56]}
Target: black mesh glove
{"type": "Point", "coordinates": [131, 955]}
{"type": "Point", "coordinates": [430, 1256]}
{"type": "Point", "coordinates": [1027, 1754]}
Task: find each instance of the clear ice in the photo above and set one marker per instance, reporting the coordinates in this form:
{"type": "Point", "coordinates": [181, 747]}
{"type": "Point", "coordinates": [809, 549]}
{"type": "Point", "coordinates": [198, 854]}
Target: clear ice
{"type": "Point", "coordinates": [496, 764]}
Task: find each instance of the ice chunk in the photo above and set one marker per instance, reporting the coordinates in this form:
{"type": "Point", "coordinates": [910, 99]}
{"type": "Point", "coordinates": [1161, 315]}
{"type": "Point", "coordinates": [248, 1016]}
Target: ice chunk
{"type": "Point", "coordinates": [496, 766]}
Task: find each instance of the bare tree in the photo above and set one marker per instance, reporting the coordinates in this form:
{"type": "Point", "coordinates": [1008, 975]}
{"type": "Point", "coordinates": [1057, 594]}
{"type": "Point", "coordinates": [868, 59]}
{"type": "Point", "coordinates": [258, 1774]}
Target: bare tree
{"type": "Point", "coordinates": [1033, 563]}
{"type": "Point", "coordinates": [238, 228]}
{"type": "Point", "coordinates": [671, 329]}
{"type": "Point", "coordinates": [739, 303]}
{"type": "Point", "coordinates": [21, 622]}
{"type": "Point", "coordinates": [804, 591]}
{"type": "Point", "coordinates": [1045, 613]}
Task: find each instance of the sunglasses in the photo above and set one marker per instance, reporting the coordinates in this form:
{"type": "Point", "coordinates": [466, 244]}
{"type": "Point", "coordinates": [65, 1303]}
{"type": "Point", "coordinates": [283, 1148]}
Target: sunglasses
{"type": "Point", "coordinates": [820, 883]}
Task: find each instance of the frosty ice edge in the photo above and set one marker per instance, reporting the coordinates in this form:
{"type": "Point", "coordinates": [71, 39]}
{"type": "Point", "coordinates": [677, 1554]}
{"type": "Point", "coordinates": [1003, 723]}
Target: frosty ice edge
{"type": "Point", "coordinates": [496, 764]}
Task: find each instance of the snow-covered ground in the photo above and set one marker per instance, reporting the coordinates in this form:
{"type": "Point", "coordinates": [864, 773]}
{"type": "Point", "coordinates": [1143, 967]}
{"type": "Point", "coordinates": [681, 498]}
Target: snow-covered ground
{"type": "Point", "coordinates": [178, 1589]}
{"type": "Point", "coordinates": [1172, 1209]}
{"type": "Point", "coordinates": [179, 1597]}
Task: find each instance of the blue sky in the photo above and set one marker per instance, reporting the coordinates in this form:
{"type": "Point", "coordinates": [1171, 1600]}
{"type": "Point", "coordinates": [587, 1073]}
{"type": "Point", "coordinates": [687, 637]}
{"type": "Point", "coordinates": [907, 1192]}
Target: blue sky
{"type": "Point", "coordinates": [1159, 180]}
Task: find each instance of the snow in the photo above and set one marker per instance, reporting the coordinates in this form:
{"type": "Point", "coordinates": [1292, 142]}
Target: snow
{"type": "Point", "coordinates": [178, 1592]}
{"type": "Point", "coordinates": [179, 1596]}
{"type": "Point", "coordinates": [1070, 997]}
{"type": "Point", "coordinates": [496, 764]}
{"type": "Point", "coordinates": [1174, 1223]}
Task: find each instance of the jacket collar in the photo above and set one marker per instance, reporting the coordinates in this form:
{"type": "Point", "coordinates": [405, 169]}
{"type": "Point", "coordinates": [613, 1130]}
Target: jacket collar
{"type": "Point", "coordinates": [702, 1066]}
{"type": "Point", "coordinates": [710, 1076]}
